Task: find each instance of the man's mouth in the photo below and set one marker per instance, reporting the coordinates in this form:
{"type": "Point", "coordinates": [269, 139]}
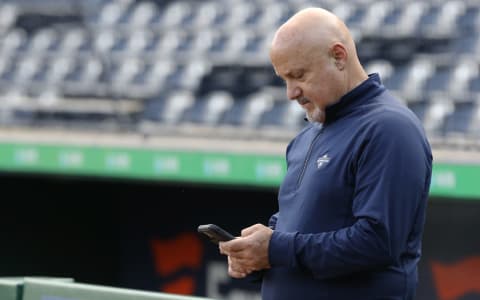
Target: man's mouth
{"type": "Point", "coordinates": [303, 101]}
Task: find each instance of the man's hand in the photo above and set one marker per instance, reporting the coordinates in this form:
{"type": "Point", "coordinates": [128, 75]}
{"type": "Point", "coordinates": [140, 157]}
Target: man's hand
{"type": "Point", "coordinates": [249, 252]}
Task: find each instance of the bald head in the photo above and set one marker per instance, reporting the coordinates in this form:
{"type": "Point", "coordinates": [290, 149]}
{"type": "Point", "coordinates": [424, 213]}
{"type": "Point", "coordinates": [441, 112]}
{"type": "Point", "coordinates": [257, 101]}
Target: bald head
{"type": "Point", "coordinates": [314, 28]}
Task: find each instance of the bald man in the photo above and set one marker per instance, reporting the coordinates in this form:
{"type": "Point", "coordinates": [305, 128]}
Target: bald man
{"type": "Point", "coordinates": [352, 204]}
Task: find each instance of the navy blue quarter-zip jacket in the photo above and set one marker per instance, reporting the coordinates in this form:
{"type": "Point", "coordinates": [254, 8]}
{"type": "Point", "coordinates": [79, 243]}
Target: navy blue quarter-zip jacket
{"type": "Point", "coordinates": [352, 203]}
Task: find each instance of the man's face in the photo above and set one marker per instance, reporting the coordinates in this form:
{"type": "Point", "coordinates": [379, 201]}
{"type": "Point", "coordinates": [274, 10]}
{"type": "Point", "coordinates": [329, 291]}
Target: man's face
{"type": "Point", "coordinates": [311, 78]}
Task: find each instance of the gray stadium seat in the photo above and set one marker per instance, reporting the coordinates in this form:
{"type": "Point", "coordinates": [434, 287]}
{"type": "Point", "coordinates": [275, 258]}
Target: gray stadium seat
{"type": "Point", "coordinates": [240, 13]}
{"type": "Point", "coordinates": [43, 40]}
{"type": "Point", "coordinates": [176, 14]}
{"type": "Point", "coordinates": [463, 73]}
{"type": "Point", "coordinates": [143, 14]}
{"type": "Point", "coordinates": [474, 85]}
{"type": "Point", "coordinates": [419, 107]}
{"type": "Point", "coordinates": [209, 14]}
{"type": "Point", "coordinates": [175, 105]}
{"type": "Point", "coordinates": [14, 41]}
{"type": "Point", "coordinates": [125, 71]}
{"type": "Point", "coordinates": [439, 80]}
{"type": "Point", "coordinates": [438, 108]}
{"type": "Point", "coordinates": [460, 119]}
{"type": "Point", "coordinates": [383, 67]}
{"type": "Point", "coordinates": [58, 69]}
{"type": "Point", "coordinates": [169, 42]}
{"type": "Point", "coordinates": [27, 68]}
{"type": "Point", "coordinates": [8, 16]}
{"type": "Point", "coordinates": [105, 40]}
{"type": "Point", "coordinates": [110, 14]}
{"type": "Point", "coordinates": [75, 40]}
{"type": "Point", "coordinates": [156, 74]}
{"type": "Point", "coordinates": [210, 109]}
{"type": "Point", "coordinates": [84, 77]}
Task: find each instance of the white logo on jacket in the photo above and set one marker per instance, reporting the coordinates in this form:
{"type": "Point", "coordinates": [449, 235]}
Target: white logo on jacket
{"type": "Point", "coordinates": [322, 161]}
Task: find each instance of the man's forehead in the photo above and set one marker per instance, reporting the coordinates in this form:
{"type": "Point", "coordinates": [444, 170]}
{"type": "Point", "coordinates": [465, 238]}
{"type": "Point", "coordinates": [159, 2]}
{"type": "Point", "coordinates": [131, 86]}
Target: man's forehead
{"type": "Point", "coordinates": [285, 51]}
{"type": "Point", "coordinates": [288, 66]}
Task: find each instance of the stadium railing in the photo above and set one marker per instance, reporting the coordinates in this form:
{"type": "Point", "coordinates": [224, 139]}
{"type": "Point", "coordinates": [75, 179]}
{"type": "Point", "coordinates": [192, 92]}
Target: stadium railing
{"type": "Point", "coordinates": [66, 289]}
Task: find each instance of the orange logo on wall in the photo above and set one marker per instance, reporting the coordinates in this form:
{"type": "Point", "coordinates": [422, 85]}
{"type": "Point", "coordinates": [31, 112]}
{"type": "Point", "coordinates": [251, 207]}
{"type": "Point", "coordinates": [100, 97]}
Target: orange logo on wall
{"type": "Point", "coordinates": [457, 279]}
{"type": "Point", "coordinates": [185, 251]}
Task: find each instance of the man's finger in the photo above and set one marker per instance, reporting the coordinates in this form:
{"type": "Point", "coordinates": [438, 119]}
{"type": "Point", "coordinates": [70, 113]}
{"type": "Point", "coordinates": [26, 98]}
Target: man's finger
{"type": "Point", "coordinates": [236, 274]}
{"type": "Point", "coordinates": [235, 270]}
{"type": "Point", "coordinates": [233, 246]}
{"type": "Point", "coordinates": [250, 230]}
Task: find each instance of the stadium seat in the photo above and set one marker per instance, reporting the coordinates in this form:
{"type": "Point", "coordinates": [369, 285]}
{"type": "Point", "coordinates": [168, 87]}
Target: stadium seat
{"type": "Point", "coordinates": [84, 77]}
{"type": "Point", "coordinates": [463, 73]}
{"type": "Point", "coordinates": [470, 19]}
{"type": "Point", "coordinates": [75, 40]}
{"type": "Point", "coordinates": [209, 110]}
{"type": "Point", "coordinates": [383, 67]}
{"type": "Point", "coordinates": [374, 16]}
{"type": "Point", "coordinates": [8, 16]}
{"type": "Point", "coordinates": [256, 105]}
{"type": "Point", "coordinates": [420, 108]}
{"type": "Point", "coordinates": [169, 42]}
{"type": "Point", "coordinates": [27, 68]}
{"type": "Point", "coordinates": [241, 13]}
{"type": "Point", "coordinates": [435, 114]}
{"type": "Point", "coordinates": [175, 105]}
{"type": "Point", "coordinates": [439, 80]}
{"type": "Point", "coordinates": [110, 13]}
{"type": "Point", "coordinates": [209, 14]}
{"type": "Point", "coordinates": [176, 15]}
{"type": "Point", "coordinates": [460, 119]}
{"type": "Point", "coordinates": [58, 68]}
{"type": "Point", "coordinates": [142, 15]}
{"type": "Point", "coordinates": [124, 74]}
{"type": "Point", "coordinates": [418, 73]}
{"type": "Point", "coordinates": [155, 74]}
{"type": "Point", "coordinates": [105, 40]}
{"type": "Point", "coordinates": [14, 41]}
{"type": "Point", "coordinates": [474, 85]}
{"type": "Point", "coordinates": [408, 23]}
{"type": "Point", "coordinates": [7, 68]}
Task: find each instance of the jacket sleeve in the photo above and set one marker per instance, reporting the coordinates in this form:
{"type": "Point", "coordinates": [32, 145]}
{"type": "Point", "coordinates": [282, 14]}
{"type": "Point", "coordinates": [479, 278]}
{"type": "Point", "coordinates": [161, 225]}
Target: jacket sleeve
{"type": "Point", "coordinates": [392, 169]}
{"type": "Point", "coordinates": [273, 221]}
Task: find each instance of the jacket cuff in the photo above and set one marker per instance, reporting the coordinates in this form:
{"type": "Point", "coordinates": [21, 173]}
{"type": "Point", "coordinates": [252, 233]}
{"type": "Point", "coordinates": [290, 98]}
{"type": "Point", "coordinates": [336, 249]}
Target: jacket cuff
{"type": "Point", "coordinates": [281, 250]}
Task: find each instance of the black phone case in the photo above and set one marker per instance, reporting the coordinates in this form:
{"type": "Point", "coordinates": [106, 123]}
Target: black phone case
{"type": "Point", "coordinates": [215, 233]}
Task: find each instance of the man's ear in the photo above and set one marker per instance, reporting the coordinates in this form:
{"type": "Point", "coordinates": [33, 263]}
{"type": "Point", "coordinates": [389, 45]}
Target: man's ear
{"type": "Point", "coordinates": [339, 54]}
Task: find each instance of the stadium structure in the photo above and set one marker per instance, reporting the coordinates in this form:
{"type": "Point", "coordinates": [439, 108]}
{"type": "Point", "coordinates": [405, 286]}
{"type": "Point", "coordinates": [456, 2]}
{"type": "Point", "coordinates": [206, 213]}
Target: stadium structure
{"type": "Point", "coordinates": [125, 124]}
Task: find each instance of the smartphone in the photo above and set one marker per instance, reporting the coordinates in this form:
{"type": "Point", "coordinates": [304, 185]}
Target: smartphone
{"type": "Point", "coordinates": [215, 233]}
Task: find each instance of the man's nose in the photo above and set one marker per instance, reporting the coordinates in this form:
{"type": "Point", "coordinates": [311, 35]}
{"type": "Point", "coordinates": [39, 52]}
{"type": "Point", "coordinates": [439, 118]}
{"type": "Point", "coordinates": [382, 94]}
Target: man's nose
{"type": "Point", "coordinates": [293, 92]}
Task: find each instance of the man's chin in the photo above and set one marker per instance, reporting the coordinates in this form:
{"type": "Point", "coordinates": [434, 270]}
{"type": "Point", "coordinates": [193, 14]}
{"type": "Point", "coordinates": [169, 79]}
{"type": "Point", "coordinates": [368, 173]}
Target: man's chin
{"type": "Point", "coordinates": [315, 116]}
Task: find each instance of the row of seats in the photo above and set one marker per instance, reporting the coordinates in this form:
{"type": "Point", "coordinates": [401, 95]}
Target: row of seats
{"type": "Point", "coordinates": [130, 78]}
{"type": "Point", "coordinates": [440, 116]}
{"type": "Point", "coordinates": [175, 43]}
{"type": "Point", "coordinates": [266, 108]}
{"type": "Point", "coordinates": [405, 17]}
{"type": "Point", "coordinates": [139, 79]}
{"type": "Point", "coordinates": [208, 43]}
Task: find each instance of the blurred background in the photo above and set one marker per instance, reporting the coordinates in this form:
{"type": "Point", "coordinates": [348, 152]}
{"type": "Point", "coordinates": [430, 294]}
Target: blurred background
{"type": "Point", "coordinates": [125, 124]}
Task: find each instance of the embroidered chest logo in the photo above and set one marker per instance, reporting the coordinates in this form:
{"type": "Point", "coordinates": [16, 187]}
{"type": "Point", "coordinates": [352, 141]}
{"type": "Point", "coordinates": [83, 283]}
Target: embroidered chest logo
{"type": "Point", "coordinates": [323, 161]}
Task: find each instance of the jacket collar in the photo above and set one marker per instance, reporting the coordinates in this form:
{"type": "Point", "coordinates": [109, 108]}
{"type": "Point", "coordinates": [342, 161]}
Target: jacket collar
{"type": "Point", "coordinates": [361, 94]}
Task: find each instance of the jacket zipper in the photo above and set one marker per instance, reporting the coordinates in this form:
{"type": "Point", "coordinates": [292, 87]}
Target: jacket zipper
{"type": "Point", "coordinates": [307, 159]}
